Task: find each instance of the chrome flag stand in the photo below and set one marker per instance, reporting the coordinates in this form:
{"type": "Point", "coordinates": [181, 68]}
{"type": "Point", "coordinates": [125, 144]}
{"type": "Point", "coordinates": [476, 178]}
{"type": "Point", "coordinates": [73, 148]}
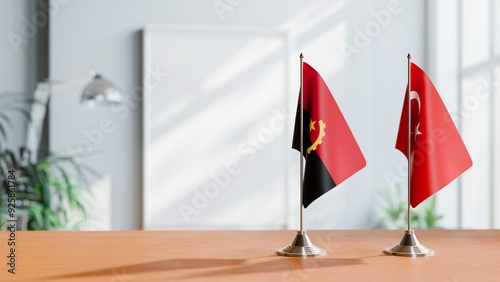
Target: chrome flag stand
{"type": "Point", "coordinates": [301, 245]}
{"type": "Point", "coordinates": [409, 246]}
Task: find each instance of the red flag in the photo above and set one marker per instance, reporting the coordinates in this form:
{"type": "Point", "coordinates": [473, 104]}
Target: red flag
{"type": "Point", "coordinates": [438, 154]}
{"type": "Point", "coordinates": [331, 152]}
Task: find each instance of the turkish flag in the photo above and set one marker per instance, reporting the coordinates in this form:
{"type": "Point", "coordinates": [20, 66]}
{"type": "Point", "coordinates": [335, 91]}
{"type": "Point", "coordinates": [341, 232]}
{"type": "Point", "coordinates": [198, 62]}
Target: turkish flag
{"type": "Point", "coordinates": [438, 154]}
{"type": "Point", "coordinates": [330, 150]}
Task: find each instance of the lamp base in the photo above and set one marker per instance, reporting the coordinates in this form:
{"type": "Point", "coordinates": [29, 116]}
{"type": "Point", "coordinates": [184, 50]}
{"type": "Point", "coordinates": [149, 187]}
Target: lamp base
{"type": "Point", "coordinates": [301, 247]}
{"type": "Point", "coordinates": [409, 247]}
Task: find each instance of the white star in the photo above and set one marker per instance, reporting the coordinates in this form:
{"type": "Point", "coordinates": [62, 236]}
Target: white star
{"type": "Point", "coordinates": [416, 131]}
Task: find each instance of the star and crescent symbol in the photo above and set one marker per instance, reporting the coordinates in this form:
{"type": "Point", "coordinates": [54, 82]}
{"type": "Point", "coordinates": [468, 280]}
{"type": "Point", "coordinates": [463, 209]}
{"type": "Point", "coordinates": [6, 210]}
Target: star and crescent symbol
{"type": "Point", "coordinates": [414, 95]}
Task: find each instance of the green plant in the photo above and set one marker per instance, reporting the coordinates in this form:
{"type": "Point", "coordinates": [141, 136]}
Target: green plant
{"type": "Point", "coordinates": [52, 191]}
{"type": "Point", "coordinates": [393, 212]}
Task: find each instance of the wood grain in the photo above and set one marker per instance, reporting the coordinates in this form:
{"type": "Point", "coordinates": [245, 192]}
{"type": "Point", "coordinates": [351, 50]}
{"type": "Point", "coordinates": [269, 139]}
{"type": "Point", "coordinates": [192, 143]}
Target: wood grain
{"type": "Point", "coordinates": [461, 255]}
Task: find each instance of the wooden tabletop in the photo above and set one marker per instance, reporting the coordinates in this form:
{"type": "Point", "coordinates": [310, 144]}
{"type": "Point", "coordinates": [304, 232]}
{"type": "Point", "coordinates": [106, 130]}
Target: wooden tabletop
{"type": "Point", "coordinates": [115, 256]}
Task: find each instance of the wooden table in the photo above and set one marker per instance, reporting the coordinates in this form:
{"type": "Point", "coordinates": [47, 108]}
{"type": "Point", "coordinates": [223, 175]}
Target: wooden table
{"type": "Point", "coordinates": [462, 255]}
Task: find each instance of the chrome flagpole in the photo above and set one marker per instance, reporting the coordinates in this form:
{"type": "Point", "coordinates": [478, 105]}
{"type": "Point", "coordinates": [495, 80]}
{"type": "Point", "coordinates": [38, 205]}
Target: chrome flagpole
{"type": "Point", "coordinates": [409, 246]}
{"type": "Point", "coordinates": [301, 245]}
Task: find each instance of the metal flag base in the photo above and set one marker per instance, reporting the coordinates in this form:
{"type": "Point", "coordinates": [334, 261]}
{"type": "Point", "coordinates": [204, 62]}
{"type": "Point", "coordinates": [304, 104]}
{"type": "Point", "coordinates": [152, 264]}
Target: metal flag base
{"type": "Point", "coordinates": [301, 247]}
{"type": "Point", "coordinates": [409, 247]}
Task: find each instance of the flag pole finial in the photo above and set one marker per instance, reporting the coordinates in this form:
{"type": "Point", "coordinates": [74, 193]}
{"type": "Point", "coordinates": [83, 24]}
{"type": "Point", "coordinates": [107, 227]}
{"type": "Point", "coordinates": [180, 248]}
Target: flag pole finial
{"type": "Point", "coordinates": [409, 56]}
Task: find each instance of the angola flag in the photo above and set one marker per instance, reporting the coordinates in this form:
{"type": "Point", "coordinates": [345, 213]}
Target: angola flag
{"type": "Point", "coordinates": [330, 150]}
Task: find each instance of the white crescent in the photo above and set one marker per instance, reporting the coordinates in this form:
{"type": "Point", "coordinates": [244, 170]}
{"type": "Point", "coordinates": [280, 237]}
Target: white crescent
{"type": "Point", "coordinates": [414, 95]}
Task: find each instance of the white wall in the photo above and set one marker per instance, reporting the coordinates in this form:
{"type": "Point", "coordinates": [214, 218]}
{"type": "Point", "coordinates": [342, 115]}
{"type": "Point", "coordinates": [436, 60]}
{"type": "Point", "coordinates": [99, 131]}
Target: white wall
{"type": "Point", "coordinates": [368, 85]}
{"type": "Point", "coordinates": [18, 57]}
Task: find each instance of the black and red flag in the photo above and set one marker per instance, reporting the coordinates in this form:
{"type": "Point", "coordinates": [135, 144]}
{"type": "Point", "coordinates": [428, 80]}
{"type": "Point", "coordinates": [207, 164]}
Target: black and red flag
{"type": "Point", "coordinates": [330, 150]}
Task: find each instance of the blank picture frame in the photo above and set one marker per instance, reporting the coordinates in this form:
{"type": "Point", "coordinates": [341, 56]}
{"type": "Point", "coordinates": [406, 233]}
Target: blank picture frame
{"type": "Point", "coordinates": [217, 121]}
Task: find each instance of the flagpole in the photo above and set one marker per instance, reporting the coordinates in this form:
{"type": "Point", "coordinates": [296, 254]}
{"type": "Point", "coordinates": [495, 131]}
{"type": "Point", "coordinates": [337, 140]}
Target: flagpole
{"type": "Point", "coordinates": [409, 140]}
{"type": "Point", "coordinates": [301, 245]}
{"type": "Point", "coordinates": [301, 207]}
{"type": "Point", "coordinates": [409, 246]}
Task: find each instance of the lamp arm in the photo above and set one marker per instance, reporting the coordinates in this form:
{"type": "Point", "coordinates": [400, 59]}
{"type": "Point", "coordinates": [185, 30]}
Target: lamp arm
{"type": "Point", "coordinates": [71, 81]}
{"type": "Point", "coordinates": [38, 111]}
{"type": "Point", "coordinates": [39, 108]}
{"type": "Point", "coordinates": [98, 88]}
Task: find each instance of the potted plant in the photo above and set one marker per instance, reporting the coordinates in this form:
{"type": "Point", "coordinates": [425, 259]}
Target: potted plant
{"type": "Point", "coordinates": [50, 193]}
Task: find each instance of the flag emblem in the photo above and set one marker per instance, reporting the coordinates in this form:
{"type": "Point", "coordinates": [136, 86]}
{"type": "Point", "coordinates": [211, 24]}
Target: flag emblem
{"type": "Point", "coordinates": [319, 139]}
